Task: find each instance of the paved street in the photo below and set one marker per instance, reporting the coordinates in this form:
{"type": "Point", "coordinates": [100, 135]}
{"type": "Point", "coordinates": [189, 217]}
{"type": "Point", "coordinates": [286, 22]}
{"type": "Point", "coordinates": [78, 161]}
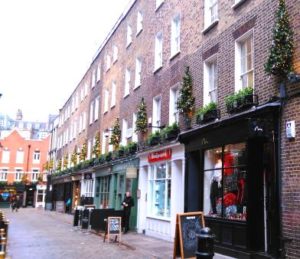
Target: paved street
{"type": "Point", "coordinates": [35, 233]}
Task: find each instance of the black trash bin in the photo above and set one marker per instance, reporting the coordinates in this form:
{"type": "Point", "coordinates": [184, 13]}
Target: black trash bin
{"type": "Point", "coordinates": [76, 218]}
{"type": "Point", "coordinates": [205, 244]}
{"type": "Point", "coordinates": [85, 219]}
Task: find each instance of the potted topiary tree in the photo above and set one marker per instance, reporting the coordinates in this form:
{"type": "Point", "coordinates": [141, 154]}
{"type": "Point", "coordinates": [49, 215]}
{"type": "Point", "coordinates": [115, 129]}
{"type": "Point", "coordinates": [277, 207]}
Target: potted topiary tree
{"type": "Point", "coordinates": [116, 134]}
{"type": "Point", "coordinates": [208, 113]}
{"type": "Point", "coordinates": [186, 100]}
{"type": "Point", "coordinates": [141, 124]}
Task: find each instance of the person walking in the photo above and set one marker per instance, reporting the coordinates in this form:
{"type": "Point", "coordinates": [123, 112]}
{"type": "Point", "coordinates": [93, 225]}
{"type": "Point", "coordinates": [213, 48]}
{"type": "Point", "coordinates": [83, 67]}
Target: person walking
{"type": "Point", "coordinates": [13, 203]}
{"type": "Point", "coordinates": [18, 203]}
{"type": "Point", "coordinates": [127, 204]}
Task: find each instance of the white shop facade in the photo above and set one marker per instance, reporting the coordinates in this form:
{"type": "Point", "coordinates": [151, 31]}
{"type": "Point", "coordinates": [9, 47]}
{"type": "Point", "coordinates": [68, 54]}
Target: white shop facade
{"type": "Point", "coordinates": [160, 190]}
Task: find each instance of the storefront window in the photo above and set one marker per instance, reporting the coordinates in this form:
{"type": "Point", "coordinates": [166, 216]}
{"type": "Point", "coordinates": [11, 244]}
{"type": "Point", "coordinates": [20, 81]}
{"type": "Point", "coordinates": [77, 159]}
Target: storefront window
{"type": "Point", "coordinates": [160, 190]}
{"type": "Point", "coordinates": [225, 182]}
{"type": "Point", "coordinates": [104, 192]}
{"type": "Point", "coordinates": [40, 195]}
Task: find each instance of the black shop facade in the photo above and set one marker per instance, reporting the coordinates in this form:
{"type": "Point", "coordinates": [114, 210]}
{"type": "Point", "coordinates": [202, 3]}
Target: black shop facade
{"type": "Point", "coordinates": [232, 176]}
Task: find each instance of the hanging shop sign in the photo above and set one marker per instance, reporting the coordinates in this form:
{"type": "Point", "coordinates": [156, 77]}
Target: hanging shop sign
{"type": "Point", "coordinates": [131, 172]}
{"type": "Point", "coordinates": [161, 155]}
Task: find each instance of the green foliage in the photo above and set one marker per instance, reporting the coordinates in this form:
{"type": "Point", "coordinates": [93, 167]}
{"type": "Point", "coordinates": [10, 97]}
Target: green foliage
{"type": "Point", "coordinates": [209, 107]}
{"type": "Point", "coordinates": [141, 118]}
{"type": "Point", "coordinates": [237, 97]}
{"type": "Point", "coordinates": [65, 165]}
{"type": "Point", "coordinates": [74, 157]}
{"type": "Point", "coordinates": [83, 152]}
{"type": "Point", "coordinates": [116, 134]}
{"type": "Point", "coordinates": [279, 62]}
{"type": "Point", "coordinates": [154, 138]}
{"type": "Point", "coordinates": [59, 165]}
{"type": "Point", "coordinates": [97, 147]}
{"type": "Point", "coordinates": [186, 100]}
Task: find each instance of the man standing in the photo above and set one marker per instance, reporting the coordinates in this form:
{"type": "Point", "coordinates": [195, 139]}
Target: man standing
{"type": "Point", "coordinates": [127, 204]}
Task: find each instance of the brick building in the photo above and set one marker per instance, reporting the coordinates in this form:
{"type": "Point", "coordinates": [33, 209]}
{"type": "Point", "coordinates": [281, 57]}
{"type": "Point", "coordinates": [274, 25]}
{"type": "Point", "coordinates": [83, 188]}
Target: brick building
{"type": "Point", "coordinates": [240, 169]}
{"type": "Point", "coordinates": [24, 151]}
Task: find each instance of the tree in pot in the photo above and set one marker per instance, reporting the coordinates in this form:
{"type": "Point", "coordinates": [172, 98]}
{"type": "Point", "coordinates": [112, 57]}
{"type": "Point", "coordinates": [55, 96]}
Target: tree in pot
{"type": "Point", "coordinates": [116, 134]}
{"type": "Point", "coordinates": [186, 100]}
{"type": "Point", "coordinates": [141, 124]}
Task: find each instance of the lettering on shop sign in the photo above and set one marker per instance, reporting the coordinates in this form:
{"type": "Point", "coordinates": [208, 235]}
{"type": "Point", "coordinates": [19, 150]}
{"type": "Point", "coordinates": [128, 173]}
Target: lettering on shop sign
{"type": "Point", "coordinates": [188, 225]}
{"type": "Point", "coordinates": [161, 155]}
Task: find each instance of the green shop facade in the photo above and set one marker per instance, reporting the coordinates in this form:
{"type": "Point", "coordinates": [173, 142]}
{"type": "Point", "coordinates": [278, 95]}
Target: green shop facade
{"type": "Point", "coordinates": [112, 181]}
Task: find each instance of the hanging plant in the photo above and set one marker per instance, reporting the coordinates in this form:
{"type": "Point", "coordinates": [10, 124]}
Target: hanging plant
{"type": "Point", "coordinates": [279, 62]}
{"type": "Point", "coordinates": [83, 152]}
{"type": "Point", "coordinates": [115, 138]}
{"type": "Point", "coordinates": [141, 118]}
{"type": "Point", "coordinates": [186, 100]}
{"type": "Point", "coordinates": [58, 168]}
{"type": "Point", "coordinates": [97, 147]}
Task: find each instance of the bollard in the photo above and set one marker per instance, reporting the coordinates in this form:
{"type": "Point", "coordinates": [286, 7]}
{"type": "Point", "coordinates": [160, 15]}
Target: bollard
{"type": "Point", "coordinates": [205, 244]}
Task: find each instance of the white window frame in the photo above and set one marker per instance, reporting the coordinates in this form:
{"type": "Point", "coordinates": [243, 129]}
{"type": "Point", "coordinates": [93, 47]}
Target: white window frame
{"type": "Point", "coordinates": [152, 191]}
{"type": "Point", "coordinates": [94, 80]}
{"type": "Point", "coordinates": [18, 174]}
{"type": "Point", "coordinates": [127, 82]}
{"type": "Point", "coordinates": [108, 62]}
{"type": "Point", "coordinates": [124, 132]}
{"type": "Point", "coordinates": [106, 96]}
{"type": "Point", "coordinates": [115, 53]}
{"type": "Point", "coordinates": [103, 143]}
{"type": "Point", "coordinates": [89, 149]}
{"type": "Point", "coordinates": [175, 35]}
{"type": "Point", "coordinates": [20, 157]}
{"type": "Point", "coordinates": [91, 112]}
{"type": "Point", "coordinates": [5, 156]}
{"type": "Point", "coordinates": [138, 71]}
{"type": "Point", "coordinates": [158, 58]}
{"type": "Point", "coordinates": [173, 111]}
{"type": "Point", "coordinates": [139, 22]}
{"type": "Point", "coordinates": [36, 157]}
{"type": "Point", "coordinates": [129, 35]}
{"type": "Point", "coordinates": [239, 73]}
{"type": "Point", "coordinates": [113, 94]}
{"type": "Point", "coordinates": [210, 12]}
{"type": "Point", "coordinates": [158, 3]}
{"type": "Point", "coordinates": [34, 174]}
{"type": "Point", "coordinates": [134, 134]}
{"type": "Point", "coordinates": [98, 75]}
{"type": "Point", "coordinates": [3, 174]}
{"type": "Point", "coordinates": [96, 108]}
{"type": "Point", "coordinates": [86, 89]}
{"type": "Point", "coordinates": [210, 80]}
{"type": "Point", "coordinates": [156, 114]}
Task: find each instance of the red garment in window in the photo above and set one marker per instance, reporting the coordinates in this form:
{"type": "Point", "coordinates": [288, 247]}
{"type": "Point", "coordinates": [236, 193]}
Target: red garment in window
{"type": "Point", "coordinates": [241, 190]}
{"type": "Point", "coordinates": [229, 199]}
{"type": "Point", "coordinates": [228, 163]}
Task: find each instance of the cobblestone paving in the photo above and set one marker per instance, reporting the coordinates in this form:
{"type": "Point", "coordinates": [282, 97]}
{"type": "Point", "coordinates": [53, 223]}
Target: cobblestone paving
{"type": "Point", "coordinates": [35, 233]}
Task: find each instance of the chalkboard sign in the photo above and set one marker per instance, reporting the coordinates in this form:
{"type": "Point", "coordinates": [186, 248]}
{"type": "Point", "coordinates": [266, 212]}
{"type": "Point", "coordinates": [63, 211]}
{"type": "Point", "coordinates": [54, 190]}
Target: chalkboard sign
{"type": "Point", "coordinates": [187, 226]}
{"type": "Point", "coordinates": [114, 227]}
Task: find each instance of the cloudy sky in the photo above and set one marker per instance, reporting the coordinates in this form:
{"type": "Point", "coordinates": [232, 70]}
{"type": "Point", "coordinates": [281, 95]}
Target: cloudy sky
{"type": "Point", "coordinates": [46, 47]}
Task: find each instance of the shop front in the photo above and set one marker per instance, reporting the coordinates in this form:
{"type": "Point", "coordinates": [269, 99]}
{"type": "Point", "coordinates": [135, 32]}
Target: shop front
{"type": "Point", "coordinates": [113, 181]}
{"type": "Point", "coordinates": [161, 190]}
{"type": "Point", "coordinates": [62, 193]}
{"type": "Point", "coordinates": [40, 195]}
{"type": "Point", "coordinates": [232, 176]}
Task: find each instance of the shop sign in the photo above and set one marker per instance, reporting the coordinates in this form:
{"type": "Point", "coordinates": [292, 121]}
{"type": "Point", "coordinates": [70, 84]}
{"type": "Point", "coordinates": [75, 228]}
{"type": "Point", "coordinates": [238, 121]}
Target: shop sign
{"type": "Point", "coordinates": [76, 177]}
{"type": "Point", "coordinates": [88, 176]}
{"type": "Point", "coordinates": [160, 155]}
{"type": "Point", "coordinates": [131, 172]}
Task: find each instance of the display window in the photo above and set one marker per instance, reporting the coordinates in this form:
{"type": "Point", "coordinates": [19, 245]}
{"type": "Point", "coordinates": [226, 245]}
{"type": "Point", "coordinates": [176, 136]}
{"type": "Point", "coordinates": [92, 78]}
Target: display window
{"type": "Point", "coordinates": [104, 192]}
{"type": "Point", "coordinates": [160, 190]}
{"type": "Point", "coordinates": [225, 188]}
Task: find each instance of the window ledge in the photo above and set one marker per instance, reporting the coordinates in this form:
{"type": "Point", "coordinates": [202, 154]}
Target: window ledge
{"type": "Point", "coordinates": [158, 7]}
{"type": "Point", "coordinates": [139, 32]}
{"type": "Point", "coordinates": [175, 55]}
{"type": "Point", "coordinates": [107, 69]}
{"type": "Point", "coordinates": [113, 106]}
{"type": "Point", "coordinates": [115, 60]}
{"type": "Point", "coordinates": [125, 96]}
{"type": "Point", "coordinates": [159, 218]}
{"type": "Point", "coordinates": [212, 25]}
{"type": "Point", "coordinates": [105, 112]}
{"type": "Point", "coordinates": [137, 87]}
{"type": "Point", "coordinates": [238, 4]}
{"type": "Point", "coordinates": [157, 69]}
{"type": "Point", "coordinates": [128, 45]}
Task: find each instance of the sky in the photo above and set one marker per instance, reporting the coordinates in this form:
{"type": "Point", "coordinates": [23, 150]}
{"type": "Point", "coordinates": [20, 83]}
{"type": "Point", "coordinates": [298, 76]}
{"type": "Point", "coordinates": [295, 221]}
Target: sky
{"type": "Point", "coordinates": [46, 46]}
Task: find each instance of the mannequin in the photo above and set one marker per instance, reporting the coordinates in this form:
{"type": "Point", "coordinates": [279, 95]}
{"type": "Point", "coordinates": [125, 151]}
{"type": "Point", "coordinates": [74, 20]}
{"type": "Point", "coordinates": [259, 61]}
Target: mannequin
{"type": "Point", "coordinates": [216, 185]}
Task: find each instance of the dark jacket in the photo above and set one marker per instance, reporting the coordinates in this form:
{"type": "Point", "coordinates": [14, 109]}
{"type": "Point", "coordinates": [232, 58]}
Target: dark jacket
{"type": "Point", "coordinates": [129, 202]}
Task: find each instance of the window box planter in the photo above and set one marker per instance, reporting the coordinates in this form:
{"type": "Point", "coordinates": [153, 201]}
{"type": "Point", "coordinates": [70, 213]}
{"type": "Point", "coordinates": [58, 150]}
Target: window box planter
{"type": "Point", "coordinates": [154, 138]}
{"type": "Point", "coordinates": [132, 148]}
{"type": "Point", "coordinates": [207, 113]}
{"type": "Point", "coordinates": [208, 116]}
{"type": "Point", "coordinates": [171, 132]}
{"type": "Point", "coordinates": [240, 101]}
